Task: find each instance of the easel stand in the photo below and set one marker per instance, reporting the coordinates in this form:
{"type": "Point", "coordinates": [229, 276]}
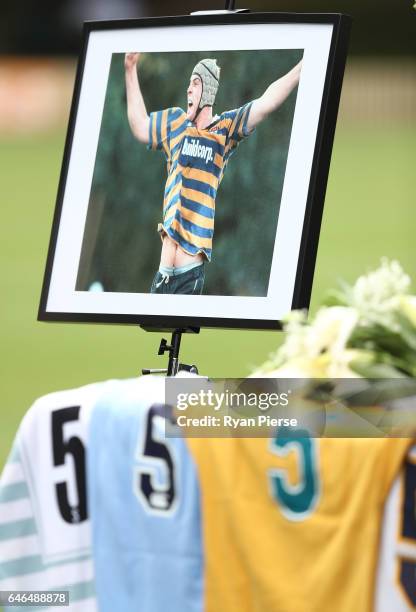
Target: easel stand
{"type": "Point", "coordinates": [174, 366]}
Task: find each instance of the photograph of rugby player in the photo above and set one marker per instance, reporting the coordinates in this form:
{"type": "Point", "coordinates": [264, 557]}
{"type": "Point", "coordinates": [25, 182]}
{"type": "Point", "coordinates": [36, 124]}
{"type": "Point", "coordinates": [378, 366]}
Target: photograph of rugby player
{"type": "Point", "coordinates": [196, 143]}
{"type": "Point", "coordinates": [197, 146]}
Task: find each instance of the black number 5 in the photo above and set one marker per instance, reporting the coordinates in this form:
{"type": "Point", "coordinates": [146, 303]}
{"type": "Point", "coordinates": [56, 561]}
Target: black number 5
{"type": "Point", "coordinates": [74, 447]}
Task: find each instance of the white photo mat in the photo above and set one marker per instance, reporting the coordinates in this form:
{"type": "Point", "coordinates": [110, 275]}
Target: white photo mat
{"type": "Point", "coordinates": [315, 40]}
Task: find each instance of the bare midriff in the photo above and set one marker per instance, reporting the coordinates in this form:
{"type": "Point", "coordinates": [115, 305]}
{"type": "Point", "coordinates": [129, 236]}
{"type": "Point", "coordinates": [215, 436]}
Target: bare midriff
{"type": "Point", "coordinates": [174, 257]}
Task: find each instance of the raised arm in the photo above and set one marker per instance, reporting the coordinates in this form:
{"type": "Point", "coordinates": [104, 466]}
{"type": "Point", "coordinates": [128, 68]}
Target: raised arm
{"type": "Point", "coordinates": [273, 97]}
{"type": "Point", "coordinates": [136, 109]}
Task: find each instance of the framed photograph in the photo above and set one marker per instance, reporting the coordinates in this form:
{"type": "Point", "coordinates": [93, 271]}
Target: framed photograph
{"type": "Point", "coordinates": [195, 169]}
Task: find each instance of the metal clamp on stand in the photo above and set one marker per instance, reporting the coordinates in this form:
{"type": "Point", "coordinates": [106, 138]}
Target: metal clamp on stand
{"type": "Point", "coordinates": [173, 349]}
{"type": "Point", "coordinates": [229, 9]}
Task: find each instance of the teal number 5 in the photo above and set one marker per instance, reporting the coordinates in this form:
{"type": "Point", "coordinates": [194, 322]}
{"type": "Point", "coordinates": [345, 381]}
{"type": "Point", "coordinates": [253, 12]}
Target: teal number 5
{"type": "Point", "coordinates": [297, 502]}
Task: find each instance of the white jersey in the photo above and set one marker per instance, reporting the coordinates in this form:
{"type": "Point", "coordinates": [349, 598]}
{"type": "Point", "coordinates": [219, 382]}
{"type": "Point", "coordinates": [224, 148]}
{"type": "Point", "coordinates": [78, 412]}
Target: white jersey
{"type": "Point", "coordinates": [48, 514]}
{"type": "Point", "coordinates": [45, 534]}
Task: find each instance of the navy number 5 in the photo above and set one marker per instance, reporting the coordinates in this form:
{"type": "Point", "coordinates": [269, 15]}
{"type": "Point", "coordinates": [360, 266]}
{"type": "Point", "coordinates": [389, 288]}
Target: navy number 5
{"type": "Point", "coordinates": [155, 475]}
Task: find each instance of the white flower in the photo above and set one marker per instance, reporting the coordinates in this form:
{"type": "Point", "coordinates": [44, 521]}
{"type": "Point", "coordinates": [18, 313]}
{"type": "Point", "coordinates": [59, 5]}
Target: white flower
{"type": "Point", "coordinates": [376, 294]}
{"type": "Point", "coordinates": [330, 330]}
{"type": "Point", "coordinates": [294, 345]}
{"type": "Point", "coordinates": [320, 348]}
{"type": "Point", "coordinates": [407, 306]}
{"type": "Point", "coordinates": [315, 347]}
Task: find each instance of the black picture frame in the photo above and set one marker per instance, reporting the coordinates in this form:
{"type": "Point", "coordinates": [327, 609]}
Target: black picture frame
{"type": "Point", "coordinates": [317, 185]}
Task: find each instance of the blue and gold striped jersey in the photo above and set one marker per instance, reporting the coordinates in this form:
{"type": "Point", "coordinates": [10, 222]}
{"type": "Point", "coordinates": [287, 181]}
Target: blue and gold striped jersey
{"type": "Point", "coordinates": [196, 160]}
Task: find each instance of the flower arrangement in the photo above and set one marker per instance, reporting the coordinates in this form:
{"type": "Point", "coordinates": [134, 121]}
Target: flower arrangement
{"type": "Point", "coordinates": [363, 330]}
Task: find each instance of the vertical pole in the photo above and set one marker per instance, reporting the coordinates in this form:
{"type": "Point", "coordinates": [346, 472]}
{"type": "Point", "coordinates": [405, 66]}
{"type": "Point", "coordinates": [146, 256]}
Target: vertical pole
{"type": "Point", "coordinates": [173, 364]}
{"type": "Point", "coordinates": [229, 5]}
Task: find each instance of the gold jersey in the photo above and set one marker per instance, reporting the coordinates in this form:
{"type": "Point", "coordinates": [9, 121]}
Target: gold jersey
{"type": "Point", "coordinates": [293, 525]}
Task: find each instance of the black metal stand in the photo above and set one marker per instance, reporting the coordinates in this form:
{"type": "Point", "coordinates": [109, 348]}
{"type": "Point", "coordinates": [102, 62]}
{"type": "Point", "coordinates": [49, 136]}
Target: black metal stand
{"type": "Point", "coordinates": [174, 366]}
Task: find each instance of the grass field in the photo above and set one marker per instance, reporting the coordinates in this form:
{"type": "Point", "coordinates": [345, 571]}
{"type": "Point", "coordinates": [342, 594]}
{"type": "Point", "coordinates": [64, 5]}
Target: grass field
{"type": "Point", "coordinates": [369, 212]}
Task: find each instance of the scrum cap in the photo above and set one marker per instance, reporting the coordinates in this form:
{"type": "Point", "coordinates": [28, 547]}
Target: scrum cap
{"type": "Point", "coordinates": [209, 73]}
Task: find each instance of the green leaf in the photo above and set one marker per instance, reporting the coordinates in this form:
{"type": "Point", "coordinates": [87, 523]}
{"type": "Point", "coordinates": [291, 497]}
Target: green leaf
{"type": "Point", "coordinates": [368, 369]}
{"type": "Point", "coordinates": [334, 297]}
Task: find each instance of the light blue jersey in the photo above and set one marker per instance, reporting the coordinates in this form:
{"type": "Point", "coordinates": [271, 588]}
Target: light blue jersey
{"type": "Point", "coordinates": [144, 500]}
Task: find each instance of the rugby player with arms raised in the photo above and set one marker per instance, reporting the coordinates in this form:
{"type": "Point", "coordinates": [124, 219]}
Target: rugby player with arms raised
{"type": "Point", "coordinates": [197, 146]}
